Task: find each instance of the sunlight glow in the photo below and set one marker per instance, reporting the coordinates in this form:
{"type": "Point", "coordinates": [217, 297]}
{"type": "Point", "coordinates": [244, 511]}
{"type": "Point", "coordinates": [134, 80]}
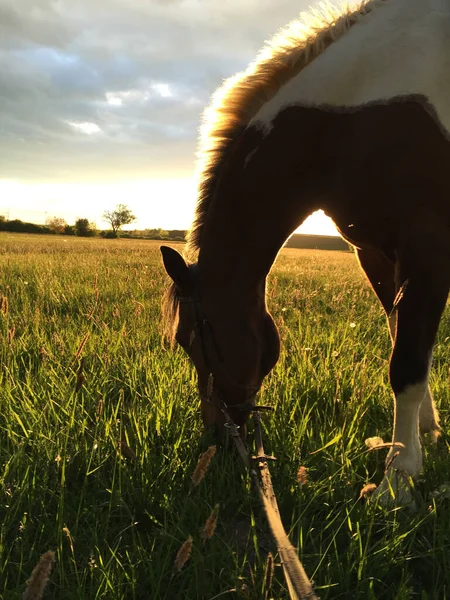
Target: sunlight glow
{"type": "Point", "coordinates": [318, 224]}
{"type": "Point", "coordinates": [157, 203]}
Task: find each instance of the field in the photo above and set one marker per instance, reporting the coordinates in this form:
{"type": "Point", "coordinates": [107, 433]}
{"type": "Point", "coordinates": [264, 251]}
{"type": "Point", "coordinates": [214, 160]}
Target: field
{"type": "Point", "coordinates": [100, 433]}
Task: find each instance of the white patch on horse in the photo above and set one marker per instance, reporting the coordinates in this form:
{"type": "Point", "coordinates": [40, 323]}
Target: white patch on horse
{"type": "Point", "coordinates": [399, 49]}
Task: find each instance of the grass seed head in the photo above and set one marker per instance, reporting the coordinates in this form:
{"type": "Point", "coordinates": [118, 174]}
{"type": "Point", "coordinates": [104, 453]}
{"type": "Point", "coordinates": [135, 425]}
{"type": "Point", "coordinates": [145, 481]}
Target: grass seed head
{"type": "Point", "coordinates": [81, 346]}
{"type": "Point", "coordinates": [210, 525]}
{"type": "Point", "coordinates": [374, 442]}
{"type": "Point", "coordinates": [4, 305]}
{"type": "Point", "coordinates": [183, 555]}
{"type": "Point", "coordinates": [268, 575]}
{"type": "Point", "coordinates": [69, 537]}
{"type": "Point", "coordinates": [80, 376]}
{"type": "Point", "coordinates": [39, 577]}
{"type": "Point", "coordinates": [367, 490]}
{"type": "Point", "coordinates": [302, 476]}
{"type": "Point", "coordinates": [203, 465]}
{"type": "Point", "coordinates": [210, 386]}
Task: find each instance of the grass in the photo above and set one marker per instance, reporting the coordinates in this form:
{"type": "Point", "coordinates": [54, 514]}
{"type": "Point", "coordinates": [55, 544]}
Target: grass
{"type": "Point", "coordinates": [102, 475]}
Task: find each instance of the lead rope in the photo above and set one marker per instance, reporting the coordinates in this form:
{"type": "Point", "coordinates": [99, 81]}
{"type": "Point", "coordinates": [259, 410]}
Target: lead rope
{"type": "Point", "coordinates": [299, 586]}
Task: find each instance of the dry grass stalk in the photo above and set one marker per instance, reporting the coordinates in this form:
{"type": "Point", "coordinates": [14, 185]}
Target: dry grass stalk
{"type": "Point", "coordinates": [268, 575]}
{"type": "Point", "coordinates": [391, 460]}
{"type": "Point", "coordinates": [398, 298]}
{"type": "Point", "coordinates": [81, 347]}
{"type": "Point", "coordinates": [302, 476]}
{"type": "Point", "coordinates": [367, 490]}
{"type": "Point", "coordinates": [39, 577]}
{"type": "Point", "coordinates": [183, 555]}
{"type": "Point", "coordinates": [203, 465]}
{"type": "Point", "coordinates": [210, 525]}
{"type": "Point", "coordinates": [11, 333]}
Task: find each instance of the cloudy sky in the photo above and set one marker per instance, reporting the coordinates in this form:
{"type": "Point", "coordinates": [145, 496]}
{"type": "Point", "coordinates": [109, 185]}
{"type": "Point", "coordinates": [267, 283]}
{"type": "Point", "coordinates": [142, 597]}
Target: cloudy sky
{"type": "Point", "coordinates": [100, 100]}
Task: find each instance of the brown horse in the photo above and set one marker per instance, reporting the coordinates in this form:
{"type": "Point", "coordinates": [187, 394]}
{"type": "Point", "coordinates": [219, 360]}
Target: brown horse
{"type": "Point", "coordinates": [348, 112]}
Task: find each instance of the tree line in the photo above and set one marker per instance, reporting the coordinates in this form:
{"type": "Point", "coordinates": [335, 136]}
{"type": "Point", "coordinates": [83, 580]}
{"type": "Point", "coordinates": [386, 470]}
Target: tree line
{"type": "Point", "coordinates": [117, 219]}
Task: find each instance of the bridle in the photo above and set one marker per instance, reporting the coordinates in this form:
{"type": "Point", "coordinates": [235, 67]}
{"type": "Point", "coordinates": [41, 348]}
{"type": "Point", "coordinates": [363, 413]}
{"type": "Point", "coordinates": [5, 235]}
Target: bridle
{"type": "Point", "coordinates": [211, 353]}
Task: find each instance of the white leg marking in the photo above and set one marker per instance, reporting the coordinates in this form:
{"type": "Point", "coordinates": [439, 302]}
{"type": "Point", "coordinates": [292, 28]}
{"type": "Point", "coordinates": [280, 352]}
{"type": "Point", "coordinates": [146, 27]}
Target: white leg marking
{"type": "Point", "coordinates": [405, 457]}
{"type": "Point", "coordinates": [406, 430]}
{"type": "Point", "coordinates": [429, 414]}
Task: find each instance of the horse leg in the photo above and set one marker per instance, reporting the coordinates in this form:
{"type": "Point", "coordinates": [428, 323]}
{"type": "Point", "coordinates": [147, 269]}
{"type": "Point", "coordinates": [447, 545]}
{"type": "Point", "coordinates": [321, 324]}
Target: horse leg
{"type": "Point", "coordinates": [381, 274]}
{"type": "Point", "coordinates": [422, 275]}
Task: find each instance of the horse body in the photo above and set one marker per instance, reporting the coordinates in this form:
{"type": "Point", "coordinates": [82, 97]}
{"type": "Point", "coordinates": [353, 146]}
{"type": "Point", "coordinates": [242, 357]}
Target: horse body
{"type": "Point", "coordinates": [371, 149]}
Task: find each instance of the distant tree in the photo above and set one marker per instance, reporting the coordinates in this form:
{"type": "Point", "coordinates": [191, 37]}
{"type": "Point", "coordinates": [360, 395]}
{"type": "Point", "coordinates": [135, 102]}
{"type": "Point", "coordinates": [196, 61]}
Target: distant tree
{"type": "Point", "coordinates": [118, 217]}
{"type": "Point", "coordinates": [56, 224]}
{"type": "Point", "coordinates": [84, 228]}
{"type": "Point", "coordinates": [69, 230]}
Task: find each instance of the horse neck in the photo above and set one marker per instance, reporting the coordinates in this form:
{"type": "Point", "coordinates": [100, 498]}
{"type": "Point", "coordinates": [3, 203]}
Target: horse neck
{"type": "Point", "coordinates": [245, 228]}
{"type": "Point", "coordinates": [266, 187]}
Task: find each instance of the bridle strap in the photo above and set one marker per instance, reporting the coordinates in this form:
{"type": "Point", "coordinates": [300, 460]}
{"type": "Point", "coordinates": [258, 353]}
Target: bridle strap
{"type": "Point", "coordinates": [203, 330]}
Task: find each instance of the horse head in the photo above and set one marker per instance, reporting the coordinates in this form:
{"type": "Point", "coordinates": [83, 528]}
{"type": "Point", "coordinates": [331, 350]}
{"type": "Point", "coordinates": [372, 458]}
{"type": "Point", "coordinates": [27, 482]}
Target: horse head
{"type": "Point", "coordinates": [229, 335]}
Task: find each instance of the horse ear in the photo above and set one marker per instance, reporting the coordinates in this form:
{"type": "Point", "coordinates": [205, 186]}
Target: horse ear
{"type": "Point", "coordinates": [176, 267]}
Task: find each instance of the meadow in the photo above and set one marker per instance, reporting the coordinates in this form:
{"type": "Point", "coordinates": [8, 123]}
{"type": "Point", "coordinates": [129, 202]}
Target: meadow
{"type": "Point", "coordinates": [100, 433]}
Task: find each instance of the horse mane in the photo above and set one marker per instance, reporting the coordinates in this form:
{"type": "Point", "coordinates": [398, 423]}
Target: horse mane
{"type": "Point", "coordinates": [240, 97]}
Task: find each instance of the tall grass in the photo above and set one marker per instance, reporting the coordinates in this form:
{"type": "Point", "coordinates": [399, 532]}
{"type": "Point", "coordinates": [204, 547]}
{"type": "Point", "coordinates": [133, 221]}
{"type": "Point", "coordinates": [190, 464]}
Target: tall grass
{"type": "Point", "coordinates": [100, 434]}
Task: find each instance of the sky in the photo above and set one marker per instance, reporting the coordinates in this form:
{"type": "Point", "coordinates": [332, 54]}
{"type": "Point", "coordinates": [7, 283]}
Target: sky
{"type": "Point", "coordinates": [101, 101]}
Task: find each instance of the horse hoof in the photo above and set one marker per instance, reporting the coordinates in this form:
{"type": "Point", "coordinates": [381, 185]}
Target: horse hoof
{"type": "Point", "coordinates": [395, 490]}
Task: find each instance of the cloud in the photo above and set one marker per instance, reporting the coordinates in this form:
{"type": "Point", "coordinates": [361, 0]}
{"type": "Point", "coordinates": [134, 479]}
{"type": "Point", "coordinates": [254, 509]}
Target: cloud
{"type": "Point", "coordinates": [114, 89]}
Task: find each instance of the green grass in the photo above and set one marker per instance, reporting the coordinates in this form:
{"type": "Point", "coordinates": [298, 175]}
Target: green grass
{"type": "Point", "coordinates": [102, 475]}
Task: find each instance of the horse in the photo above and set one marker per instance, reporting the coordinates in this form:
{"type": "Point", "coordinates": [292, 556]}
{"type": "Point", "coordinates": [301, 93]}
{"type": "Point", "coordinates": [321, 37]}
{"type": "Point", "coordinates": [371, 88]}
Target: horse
{"type": "Point", "coordinates": [348, 111]}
